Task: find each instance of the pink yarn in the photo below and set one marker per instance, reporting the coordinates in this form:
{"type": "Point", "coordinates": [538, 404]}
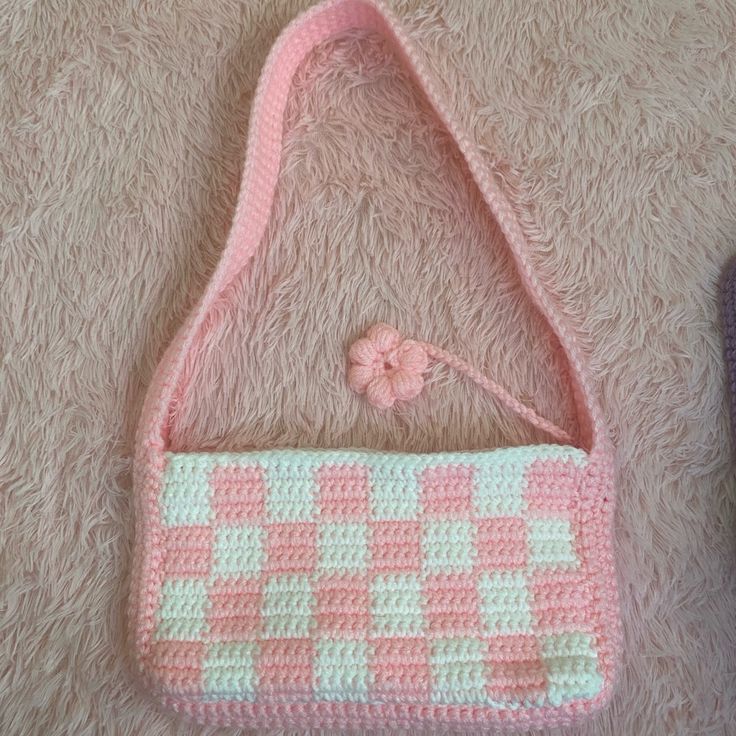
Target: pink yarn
{"type": "Point", "coordinates": [386, 368]}
{"type": "Point", "coordinates": [399, 377]}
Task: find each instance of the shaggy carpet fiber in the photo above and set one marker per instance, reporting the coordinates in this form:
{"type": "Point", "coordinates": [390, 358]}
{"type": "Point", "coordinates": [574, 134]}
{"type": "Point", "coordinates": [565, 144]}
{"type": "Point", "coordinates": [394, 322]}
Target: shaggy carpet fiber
{"type": "Point", "coordinates": [612, 126]}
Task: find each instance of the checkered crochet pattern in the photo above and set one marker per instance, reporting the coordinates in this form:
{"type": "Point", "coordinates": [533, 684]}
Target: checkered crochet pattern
{"type": "Point", "coordinates": [344, 589]}
{"type": "Point", "coordinates": [292, 576]}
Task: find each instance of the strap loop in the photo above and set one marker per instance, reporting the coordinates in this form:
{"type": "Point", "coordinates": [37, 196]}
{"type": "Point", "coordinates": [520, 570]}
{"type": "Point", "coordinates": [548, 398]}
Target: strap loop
{"type": "Point", "coordinates": [387, 368]}
{"type": "Point", "coordinates": [263, 157]}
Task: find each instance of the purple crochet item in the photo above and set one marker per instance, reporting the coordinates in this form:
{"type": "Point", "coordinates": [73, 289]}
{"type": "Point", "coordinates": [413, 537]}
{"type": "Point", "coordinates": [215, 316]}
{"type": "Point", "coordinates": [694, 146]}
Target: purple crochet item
{"type": "Point", "coordinates": [729, 336]}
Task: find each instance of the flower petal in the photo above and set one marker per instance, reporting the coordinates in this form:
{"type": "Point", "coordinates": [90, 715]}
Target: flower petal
{"type": "Point", "coordinates": [379, 392]}
{"type": "Point", "coordinates": [406, 385]}
{"type": "Point", "coordinates": [359, 376]}
{"type": "Point", "coordinates": [412, 357]}
{"type": "Point", "coordinates": [384, 337]}
{"type": "Point", "coordinates": [363, 352]}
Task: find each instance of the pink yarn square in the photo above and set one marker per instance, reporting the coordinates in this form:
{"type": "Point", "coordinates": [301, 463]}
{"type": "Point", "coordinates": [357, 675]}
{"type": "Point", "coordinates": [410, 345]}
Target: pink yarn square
{"type": "Point", "coordinates": [238, 493]}
{"type": "Point", "coordinates": [235, 609]}
{"type": "Point", "coordinates": [396, 546]}
{"type": "Point", "coordinates": [291, 547]}
{"type": "Point", "coordinates": [343, 606]}
{"type": "Point", "coordinates": [344, 491]}
{"type": "Point", "coordinates": [447, 490]}
{"type": "Point", "coordinates": [400, 668]}
{"type": "Point", "coordinates": [451, 604]}
{"type": "Point", "coordinates": [285, 667]}
{"type": "Point", "coordinates": [188, 551]}
{"type": "Point", "coordinates": [501, 543]}
{"type": "Point", "coordinates": [515, 668]}
{"type": "Point", "coordinates": [177, 665]}
{"type": "Point", "coordinates": [561, 601]}
{"type": "Point", "coordinates": [551, 485]}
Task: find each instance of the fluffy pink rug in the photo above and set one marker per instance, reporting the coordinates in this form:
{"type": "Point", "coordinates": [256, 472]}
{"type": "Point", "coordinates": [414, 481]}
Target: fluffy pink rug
{"type": "Point", "coordinates": [614, 130]}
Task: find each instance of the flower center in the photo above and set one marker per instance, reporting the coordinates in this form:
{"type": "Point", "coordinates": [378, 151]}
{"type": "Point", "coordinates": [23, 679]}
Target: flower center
{"type": "Point", "coordinates": [387, 365]}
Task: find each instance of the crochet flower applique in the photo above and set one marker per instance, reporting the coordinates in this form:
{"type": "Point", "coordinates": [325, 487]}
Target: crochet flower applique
{"type": "Point", "coordinates": [386, 367]}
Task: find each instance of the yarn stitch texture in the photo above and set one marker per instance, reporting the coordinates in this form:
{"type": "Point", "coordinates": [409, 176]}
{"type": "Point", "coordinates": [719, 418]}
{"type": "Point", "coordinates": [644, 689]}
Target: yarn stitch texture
{"type": "Point", "coordinates": [729, 337]}
{"type": "Point", "coordinates": [350, 589]}
{"type": "Point", "coordinates": [377, 578]}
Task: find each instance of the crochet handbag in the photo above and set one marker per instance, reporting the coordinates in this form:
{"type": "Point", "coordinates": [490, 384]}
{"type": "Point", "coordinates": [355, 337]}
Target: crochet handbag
{"type": "Point", "coordinates": [362, 589]}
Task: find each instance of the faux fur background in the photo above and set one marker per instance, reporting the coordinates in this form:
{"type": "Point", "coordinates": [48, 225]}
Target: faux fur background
{"type": "Point", "coordinates": [613, 125]}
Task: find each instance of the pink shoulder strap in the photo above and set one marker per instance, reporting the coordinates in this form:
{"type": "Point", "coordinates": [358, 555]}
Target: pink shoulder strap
{"type": "Point", "coordinates": [263, 158]}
